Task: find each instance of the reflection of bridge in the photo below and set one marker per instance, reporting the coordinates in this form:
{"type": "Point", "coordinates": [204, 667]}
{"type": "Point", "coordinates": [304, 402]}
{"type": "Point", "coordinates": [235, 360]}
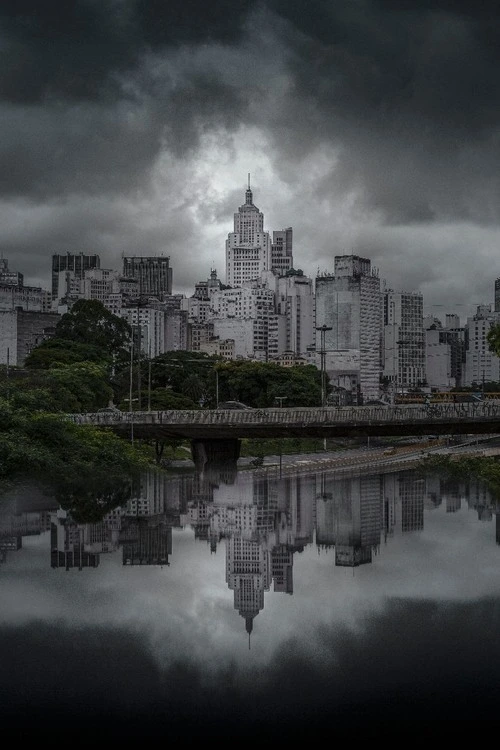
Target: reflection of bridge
{"type": "Point", "coordinates": [346, 421]}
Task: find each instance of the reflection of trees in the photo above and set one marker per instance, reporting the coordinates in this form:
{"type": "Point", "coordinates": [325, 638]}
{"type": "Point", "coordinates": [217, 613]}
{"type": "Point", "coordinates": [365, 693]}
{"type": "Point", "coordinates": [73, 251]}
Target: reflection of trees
{"type": "Point", "coordinates": [480, 468]}
{"type": "Point", "coordinates": [88, 498]}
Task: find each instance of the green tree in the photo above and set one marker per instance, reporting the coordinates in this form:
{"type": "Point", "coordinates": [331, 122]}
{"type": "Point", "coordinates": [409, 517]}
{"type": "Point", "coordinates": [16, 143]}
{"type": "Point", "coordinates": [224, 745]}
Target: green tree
{"type": "Point", "coordinates": [56, 451]}
{"type": "Point", "coordinates": [163, 400]}
{"type": "Point", "coordinates": [260, 384]}
{"type": "Point", "coordinates": [85, 385]}
{"type": "Point", "coordinates": [90, 322]}
{"type": "Point", "coordinates": [493, 339]}
{"type": "Point", "coordinates": [58, 351]}
{"type": "Point", "coordinates": [81, 386]}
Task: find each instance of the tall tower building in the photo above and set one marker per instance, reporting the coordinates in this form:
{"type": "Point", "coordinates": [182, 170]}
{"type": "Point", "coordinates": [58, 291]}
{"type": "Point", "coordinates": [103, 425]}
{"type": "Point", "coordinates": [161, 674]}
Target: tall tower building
{"type": "Point", "coordinates": [281, 251]}
{"type": "Point", "coordinates": [75, 264]}
{"type": "Point", "coordinates": [295, 300]}
{"type": "Point", "coordinates": [404, 339]}
{"type": "Point", "coordinates": [348, 303]}
{"type": "Point", "coordinates": [153, 274]}
{"type": "Point", "coordinates": [248, 247]}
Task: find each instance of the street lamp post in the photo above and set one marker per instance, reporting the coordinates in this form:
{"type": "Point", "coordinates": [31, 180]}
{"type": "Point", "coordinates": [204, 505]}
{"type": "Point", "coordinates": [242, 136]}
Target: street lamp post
{"type": "Point", "coordinates": [323, 329]}
{"type": "Point", "coordinates": [149, 378]}
{"type": "Point", "coordinates": [131, 388]}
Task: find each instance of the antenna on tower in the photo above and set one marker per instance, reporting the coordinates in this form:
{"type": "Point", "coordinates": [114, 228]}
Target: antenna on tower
{"type": "Point", "coordinates": [249, 180]}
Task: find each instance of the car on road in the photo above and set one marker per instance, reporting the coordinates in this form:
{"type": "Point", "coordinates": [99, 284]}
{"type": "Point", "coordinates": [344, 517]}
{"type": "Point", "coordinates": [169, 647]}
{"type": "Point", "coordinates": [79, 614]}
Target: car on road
{"type": "Point", "coordinates": [233, 405]}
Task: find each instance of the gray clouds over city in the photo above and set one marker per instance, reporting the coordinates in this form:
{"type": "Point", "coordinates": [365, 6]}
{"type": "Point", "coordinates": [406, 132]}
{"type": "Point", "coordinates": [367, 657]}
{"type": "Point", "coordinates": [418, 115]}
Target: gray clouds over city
{"type": "Point", "coordinates": [370, 126]}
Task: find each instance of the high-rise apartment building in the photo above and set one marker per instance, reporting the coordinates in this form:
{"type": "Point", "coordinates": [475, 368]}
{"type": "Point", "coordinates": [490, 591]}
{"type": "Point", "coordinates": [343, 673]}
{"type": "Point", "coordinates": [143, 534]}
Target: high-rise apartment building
{"type": "Point", "coordinates": [153, 274]}
{"type": "Point", "coordinates": [281, 251]}
{"type": "Point", "coordinates": [348, 308]}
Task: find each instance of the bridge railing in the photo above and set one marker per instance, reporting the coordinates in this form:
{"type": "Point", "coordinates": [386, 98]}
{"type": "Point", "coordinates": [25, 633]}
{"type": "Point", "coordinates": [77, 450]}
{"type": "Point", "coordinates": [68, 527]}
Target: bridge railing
{"type": "Point", "coordinates": [304, 415]}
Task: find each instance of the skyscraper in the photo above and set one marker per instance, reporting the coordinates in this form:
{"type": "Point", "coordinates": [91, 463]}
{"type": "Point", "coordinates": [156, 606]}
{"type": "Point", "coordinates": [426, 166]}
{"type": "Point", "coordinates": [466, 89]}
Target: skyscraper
{"type": "Point", "coordinates": [75, 264]}
{"type": "Point", "coordinates": [153, 273]}
{"type": "Point", "coordinates": [349, 303]}
{"type": "Point", "coordinates": [249, 249]}
{"type": "Point", "coordinates": [404, 339]}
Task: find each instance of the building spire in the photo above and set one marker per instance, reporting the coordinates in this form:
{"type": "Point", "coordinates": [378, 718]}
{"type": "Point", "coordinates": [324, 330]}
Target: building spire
{"type": "Point", "coordinates": [248, 194]}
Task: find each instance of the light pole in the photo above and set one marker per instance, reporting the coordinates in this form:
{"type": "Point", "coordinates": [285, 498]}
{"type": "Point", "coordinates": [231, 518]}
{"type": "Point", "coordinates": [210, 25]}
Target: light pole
{"type": "Point", "coordinates": [323, 329]}
{"type": "Point", "coordinates": [131, 387]}
{"type": "Point", "coordinates": [149, 378]}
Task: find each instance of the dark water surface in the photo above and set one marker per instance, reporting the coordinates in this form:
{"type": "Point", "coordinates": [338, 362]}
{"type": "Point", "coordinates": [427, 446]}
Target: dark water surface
{"type": "Point", "coordinates": [308, 607]}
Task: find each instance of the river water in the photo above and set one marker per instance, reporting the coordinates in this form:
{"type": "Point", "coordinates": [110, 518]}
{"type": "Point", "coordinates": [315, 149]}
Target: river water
{"type": "Point", "coordinates": [229, 607]}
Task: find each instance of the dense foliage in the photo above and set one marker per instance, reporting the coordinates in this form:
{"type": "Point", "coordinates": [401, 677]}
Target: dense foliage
{"type": "Point", "coordinates": [486, 469]}
{"type": "Point", "coordinates": [493, 339]}
{"type": "Point", "coordinates": [58, 453]}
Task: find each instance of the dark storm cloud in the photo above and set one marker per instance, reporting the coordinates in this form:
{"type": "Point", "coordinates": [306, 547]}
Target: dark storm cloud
{"type": "Point", "coordinates": [409, 94]}
{"type": "Point", "coordinates": [396, 101]}
{"type": "Point", "coordinates": [73, 50]}
{"type": "Point", "coordinates": [81, 108]}
{"type": "Point", "coordinates": [400, 88]}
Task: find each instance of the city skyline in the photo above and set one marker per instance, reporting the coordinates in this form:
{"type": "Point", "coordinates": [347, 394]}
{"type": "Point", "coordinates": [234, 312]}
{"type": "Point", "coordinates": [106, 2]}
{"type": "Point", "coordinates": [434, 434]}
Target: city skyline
{"type": "Point", "coordinates": [369, 127]}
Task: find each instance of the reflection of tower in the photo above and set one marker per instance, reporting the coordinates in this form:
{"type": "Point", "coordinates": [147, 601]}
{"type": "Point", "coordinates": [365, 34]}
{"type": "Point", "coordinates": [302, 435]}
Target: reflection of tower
{"type": "Point", "coordinates": [350, 517]}
{"type": "Point", "coordinates": [248, 575]}
{"type": "Point", "coordinates": [264, 521]}
{"type": "Point", "coordinates": [412, 491]}
{"type": "Point", "coordinates": [7, 543]}
{"type": "Point", "coordinates": [359, 520]}
{"type": "Point", "coordinates": [450, 492]}
{"type": "Point", "coordinates": [146, 541]}
{"type": "Point", "coordinates": [67, 548]}
{"type": "Point", "coordinates": [282, 568]}
{"type": "Point", "coordinates": [481, 499]}
{"type": "Point", "coordinates": [389, 514]}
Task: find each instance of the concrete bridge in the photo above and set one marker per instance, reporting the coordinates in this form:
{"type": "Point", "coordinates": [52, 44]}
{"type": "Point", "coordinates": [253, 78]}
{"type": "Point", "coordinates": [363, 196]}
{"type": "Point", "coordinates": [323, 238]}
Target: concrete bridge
{"type": "Point", "coordinates": [215, 434]}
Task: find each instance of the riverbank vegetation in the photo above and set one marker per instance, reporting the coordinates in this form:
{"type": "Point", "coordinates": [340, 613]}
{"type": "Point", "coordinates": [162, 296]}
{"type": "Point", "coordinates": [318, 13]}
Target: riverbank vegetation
{"type": "Point", "coordinates": [482, 468]}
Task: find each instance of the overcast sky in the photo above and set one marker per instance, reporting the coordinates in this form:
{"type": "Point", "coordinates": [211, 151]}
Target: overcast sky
{"type": "Point", "coordinates": [369, 126]}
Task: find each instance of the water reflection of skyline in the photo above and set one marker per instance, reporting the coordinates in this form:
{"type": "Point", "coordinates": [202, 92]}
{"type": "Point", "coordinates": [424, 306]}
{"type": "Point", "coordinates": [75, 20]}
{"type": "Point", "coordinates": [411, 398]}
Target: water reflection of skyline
{"type": "Point", "coordinates": [262, 521]}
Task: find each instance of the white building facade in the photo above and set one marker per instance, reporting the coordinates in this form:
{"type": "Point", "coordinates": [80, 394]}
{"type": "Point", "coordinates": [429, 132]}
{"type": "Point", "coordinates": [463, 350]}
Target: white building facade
{"type": "Point", "coordinates": [249, 249]}
{"type": "Point", "coordinates": [348, 304]}
{"type": "Point", "coordinates": [404, 340]}
{"type": "Point", "coordinates": [481, 365]}
{"type": "Point", "coordinates": [295, 301]}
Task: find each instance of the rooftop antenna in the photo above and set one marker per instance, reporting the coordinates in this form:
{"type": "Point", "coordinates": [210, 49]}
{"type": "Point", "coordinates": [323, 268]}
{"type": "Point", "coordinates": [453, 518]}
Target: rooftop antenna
{"type": "Point", "coordinates": [249, 180]}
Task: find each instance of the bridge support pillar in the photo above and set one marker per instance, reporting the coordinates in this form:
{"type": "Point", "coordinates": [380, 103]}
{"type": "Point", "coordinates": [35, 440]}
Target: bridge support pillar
{"type": "Point", "coordinates": [215, 453]}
